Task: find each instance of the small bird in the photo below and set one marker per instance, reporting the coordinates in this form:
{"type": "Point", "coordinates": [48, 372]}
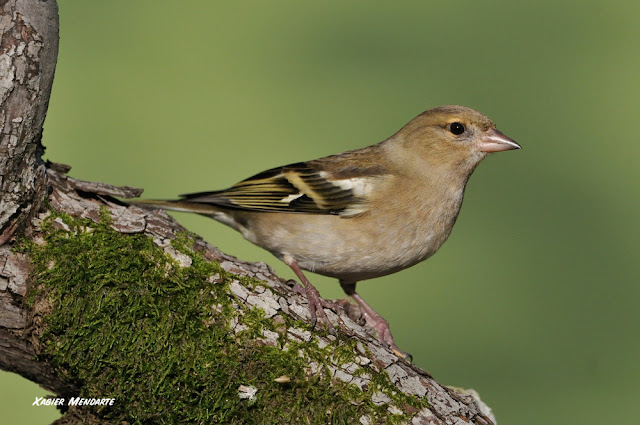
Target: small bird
{"type": "Point", "coordinates": [360, 214]}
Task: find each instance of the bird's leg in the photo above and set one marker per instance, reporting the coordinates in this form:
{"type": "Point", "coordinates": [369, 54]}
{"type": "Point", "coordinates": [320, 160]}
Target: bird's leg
{"type": "Point", "coordinates": [373, 319]}
{"type": "Point", "coordinates": [316, 303]}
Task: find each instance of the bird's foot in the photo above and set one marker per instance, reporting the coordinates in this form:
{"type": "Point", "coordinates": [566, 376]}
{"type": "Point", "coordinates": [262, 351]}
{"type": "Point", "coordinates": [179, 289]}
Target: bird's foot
{"type": "Point", "coordinates": [381, 326]}
{"type": "Point", "coordinates": [316, 305]}
{"type": "Point", "coordinates": [374, 320]}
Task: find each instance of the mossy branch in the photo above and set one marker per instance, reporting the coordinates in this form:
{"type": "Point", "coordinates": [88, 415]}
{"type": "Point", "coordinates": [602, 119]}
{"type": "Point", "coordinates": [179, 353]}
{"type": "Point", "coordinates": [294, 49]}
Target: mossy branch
{"type": "Point", "coordinates": [105, 301]}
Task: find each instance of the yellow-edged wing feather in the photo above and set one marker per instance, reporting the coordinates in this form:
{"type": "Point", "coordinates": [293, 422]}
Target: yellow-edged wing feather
{"type": "Point", "coordinates": [307, 187]}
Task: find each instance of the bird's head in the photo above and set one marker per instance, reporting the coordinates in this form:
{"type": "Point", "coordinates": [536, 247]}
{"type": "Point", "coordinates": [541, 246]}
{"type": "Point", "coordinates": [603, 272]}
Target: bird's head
{"type": "Point", "coordinates": [452, 136]}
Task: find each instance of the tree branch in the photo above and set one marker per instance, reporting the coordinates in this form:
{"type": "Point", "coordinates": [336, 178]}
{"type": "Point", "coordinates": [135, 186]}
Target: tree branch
{"type": "Point", "coordinates": [239, 344]}
{"type": "Point", "coordinates": [28, 54]}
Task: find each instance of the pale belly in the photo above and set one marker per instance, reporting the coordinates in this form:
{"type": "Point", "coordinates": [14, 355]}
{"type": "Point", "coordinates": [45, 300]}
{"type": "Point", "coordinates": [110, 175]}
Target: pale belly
{"type": "Point", "coordinates": [351, 249]}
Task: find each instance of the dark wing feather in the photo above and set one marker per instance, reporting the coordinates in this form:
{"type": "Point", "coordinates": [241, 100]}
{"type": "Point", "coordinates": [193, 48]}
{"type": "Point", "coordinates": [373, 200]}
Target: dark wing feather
{"type": "Point", "coordinates": [294, 188]}
{"type": "Point", "coordinates": [338, 184]}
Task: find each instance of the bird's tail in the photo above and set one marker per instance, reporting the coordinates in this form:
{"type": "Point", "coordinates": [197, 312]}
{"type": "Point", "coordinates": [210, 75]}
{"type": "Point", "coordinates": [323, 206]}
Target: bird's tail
{"type": "Point", "coordinates": [177, 205]}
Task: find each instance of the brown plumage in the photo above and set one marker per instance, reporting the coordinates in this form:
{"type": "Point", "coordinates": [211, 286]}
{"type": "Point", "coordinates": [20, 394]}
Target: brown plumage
{"type": "Point", "coordinates": [364, 213]}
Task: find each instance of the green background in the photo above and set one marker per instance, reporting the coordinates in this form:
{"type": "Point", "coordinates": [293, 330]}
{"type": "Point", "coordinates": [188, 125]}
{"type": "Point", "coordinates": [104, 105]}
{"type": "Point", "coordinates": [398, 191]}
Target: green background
{"type": "Point", "coordinates": [533, 301]}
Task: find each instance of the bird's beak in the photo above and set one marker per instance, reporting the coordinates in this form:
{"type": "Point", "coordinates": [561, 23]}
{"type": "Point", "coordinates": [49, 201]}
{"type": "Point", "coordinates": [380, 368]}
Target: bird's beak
{"type": "Point", "coordinates": [495, 141]}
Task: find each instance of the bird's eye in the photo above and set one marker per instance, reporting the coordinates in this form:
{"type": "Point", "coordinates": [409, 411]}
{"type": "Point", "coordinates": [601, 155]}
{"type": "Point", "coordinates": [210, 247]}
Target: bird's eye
{"type": "Point", "coordinates": [456, 128]}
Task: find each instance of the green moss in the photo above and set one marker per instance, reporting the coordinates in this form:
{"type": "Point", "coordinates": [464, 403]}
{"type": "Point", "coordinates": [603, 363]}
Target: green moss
{"type": "Point", "coordinates": [128, 322]}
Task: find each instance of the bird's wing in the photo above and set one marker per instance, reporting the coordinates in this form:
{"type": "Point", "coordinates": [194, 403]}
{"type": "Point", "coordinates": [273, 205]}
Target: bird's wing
{"type": "Point", "coordinates": [316, 187]}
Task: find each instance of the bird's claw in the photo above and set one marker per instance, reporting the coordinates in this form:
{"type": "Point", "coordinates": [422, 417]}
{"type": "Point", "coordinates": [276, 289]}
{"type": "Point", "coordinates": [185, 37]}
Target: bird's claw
{"type": "Point", "coordinates": [381, 326]}
{"type": "Point", "coordinates": [403, 355]}
{"type": "Point", "coordinates": [316, 305]}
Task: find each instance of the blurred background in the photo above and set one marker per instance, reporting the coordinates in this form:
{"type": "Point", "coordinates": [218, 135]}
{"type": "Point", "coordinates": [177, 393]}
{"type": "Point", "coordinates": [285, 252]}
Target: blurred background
{"type": "Point", "coordinates": [533, 301]}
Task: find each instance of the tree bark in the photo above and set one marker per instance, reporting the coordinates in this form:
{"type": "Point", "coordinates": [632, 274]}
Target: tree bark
{"type": "Point", "coordinates": [28, 54]}
{"type": "Point", "coordinates": [28, 51]}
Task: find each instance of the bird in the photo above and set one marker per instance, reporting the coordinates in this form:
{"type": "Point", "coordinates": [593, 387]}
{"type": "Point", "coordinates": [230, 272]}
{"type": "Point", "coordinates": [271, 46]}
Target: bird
{"type": "Point", "coordinates": [363, 213]}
